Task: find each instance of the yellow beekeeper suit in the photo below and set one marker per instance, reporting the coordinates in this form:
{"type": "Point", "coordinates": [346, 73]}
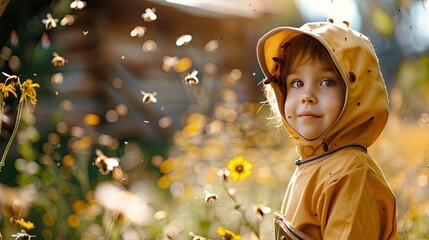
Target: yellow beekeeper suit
{"type": "Point", "coordinates": [337, 190]}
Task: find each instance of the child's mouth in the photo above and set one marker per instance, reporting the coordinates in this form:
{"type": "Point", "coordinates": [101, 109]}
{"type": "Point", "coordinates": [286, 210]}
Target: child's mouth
{"type": "Point", "coordinates": [308, 115]}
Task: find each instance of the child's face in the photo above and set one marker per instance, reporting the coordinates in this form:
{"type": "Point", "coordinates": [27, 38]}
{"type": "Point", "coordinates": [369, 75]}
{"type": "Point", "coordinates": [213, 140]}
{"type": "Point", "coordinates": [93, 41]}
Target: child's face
{"type": "Point", "coordinates": [315, 97]}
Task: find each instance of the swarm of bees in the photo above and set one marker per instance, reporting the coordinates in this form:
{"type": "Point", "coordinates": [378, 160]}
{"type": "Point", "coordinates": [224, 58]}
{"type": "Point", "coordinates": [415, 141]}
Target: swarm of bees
{"type": "Point", "coordinates": [57, 60]}
{"type": "Point", "coordinates": [149, 15]}
{"type": "Point", "coordinates": [191, 78]}
{"type": "Point", "coordinates": [149, 97]}
{"type": "Point", "coordinates": [105, 164]}
{"type": "Point", "coordinates": [11, 79]}
{"type": "Point", "coordinates": [50, 22]}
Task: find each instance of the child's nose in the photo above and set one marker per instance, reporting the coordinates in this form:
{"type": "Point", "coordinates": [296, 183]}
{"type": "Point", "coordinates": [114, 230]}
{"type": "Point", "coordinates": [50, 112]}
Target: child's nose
{"type": "Point", "coordinates": [308, 98]}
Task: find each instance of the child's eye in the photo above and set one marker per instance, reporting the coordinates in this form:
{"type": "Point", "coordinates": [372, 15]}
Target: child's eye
{"type": "Point", "coordinates": [297, 84]}
{"type": "Point", "coordinates": [328, 82]}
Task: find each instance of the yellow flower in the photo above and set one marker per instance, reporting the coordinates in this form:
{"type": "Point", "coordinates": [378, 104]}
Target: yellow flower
{"type": "Point", "coordinates": [26, 225]}
{"type": "Point", "coordinates": [5, 89]}
{"type": "Point", "coordinates": [29, 91]}
{"type": "Point", "coordinates": [227, 234]}
{"type": "Point", "coordinates": [239, 168]}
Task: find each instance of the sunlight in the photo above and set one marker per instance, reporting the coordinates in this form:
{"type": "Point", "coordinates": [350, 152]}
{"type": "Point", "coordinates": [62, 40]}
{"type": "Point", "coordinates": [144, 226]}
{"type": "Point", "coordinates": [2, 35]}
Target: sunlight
{"type": "Point", "coordinates": [320, 10]}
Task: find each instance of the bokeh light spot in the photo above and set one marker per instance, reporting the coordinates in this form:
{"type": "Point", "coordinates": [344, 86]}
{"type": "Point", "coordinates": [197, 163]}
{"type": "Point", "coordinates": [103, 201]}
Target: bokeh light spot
{"type": "Point", "coordinates": [121, 109]}
{"type": "Point", "coordinates": [57, 78]}
{"type": "Point", "coordinates": [64, 188]}
{"type": "Point", "coordinates": [210, 68]}
{"type": "Point", "coordinates": [79, 206]}
{"type": "Point", "coordinates": [211, 46]}
{"type": "Point", "coordinates": [117, 83]}
{"type": "Point", "coordinates": [182, 65]}
{"type": "Point", "coordinates": [105, 139]}
{"type": "Point", "coordinates": [163, 182]}
{"type": "Point", "coordinates": [68, 160]}
{"type": "Point", "coordinates": [15, 63]}
{"type": "Point", "coordinates": [48, 219]}
{"type": "Point", "coordinates": [165, 122]}
{"type": "Point", "coordinates": [67, 105]}
{"type": "Point", "coordinates": [111, 116]}
{"type": "Point", "coordinates": [382, 21]}
{"type": "Point", "coordinates": [149, 46]}
{"type": "Point", "coordinates": [92, 119]}
{"type": "Point", "coordinates": [5, 53]}
{"type": "Point", "coordinates": [46, 159]}
{"type": "Point", "coordinates": [62, 127]}
{"type": "Point", "coordinates": [156, 160]}
{"type": "Point", "coordinates": [47, 234]}
{"type": "Point", "coordinates": [73, 221]}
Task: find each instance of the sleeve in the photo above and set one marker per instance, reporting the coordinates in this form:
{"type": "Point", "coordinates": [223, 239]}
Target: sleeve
{"type": "Point", "coordinates": [358, 205]}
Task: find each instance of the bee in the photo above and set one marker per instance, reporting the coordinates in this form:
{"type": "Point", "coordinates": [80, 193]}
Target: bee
{"type": "Point", "coordinates": [138, 31]}
{"type": "Point", "coordinates": [261, 210]}
{"type": "Point", "coordinates": [50, 22]}
{"type": "Point", "coordinates": [347, 23]}
{"type": "Point", "coordinates": [191, 78]}
{"type": "Point", "coordinates": [169, 62]}
{"type": "Point", "coordinates": [77, 4]}
{"type": "Point", "coordinates": [11, 79]}
{"type": "Point", "coordinates": [105, 164]}
{"type": "Point", "coordinates": [149, 97]}
{"type": "Point", "coordinates": [183, 40]}
{"type": "Point", "coordinates": [210, 197]}
{"type": "Point", "coordinates": [149, 15]}
{"type": "Point", "coordinates": [57, 60]}
{"type": "Point", "coordinates": [23, 235]}
{"type": "Point", "coordinates": [67, 20]}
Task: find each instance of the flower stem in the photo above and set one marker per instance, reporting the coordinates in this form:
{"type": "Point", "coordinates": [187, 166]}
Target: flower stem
{"type": "Point", "coordinates": [15, 130]}
{"type": "Point", "coordinates": [238, 207]}
{"type": "Point", "coordinates": [1, 113]}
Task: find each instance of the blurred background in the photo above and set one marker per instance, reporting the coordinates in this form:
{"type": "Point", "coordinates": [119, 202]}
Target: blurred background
{"type": "Point", "coordinates": [114, 76]}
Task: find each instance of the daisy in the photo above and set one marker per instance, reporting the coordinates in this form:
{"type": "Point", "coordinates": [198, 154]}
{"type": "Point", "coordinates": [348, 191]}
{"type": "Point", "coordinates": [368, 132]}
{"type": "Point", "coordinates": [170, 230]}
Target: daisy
{"type": "Point", "coordinates": [239, 168]}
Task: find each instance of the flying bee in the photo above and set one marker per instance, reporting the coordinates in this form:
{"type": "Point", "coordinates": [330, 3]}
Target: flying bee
{"type": "Point", "coordinates": [105, 164]}
{"type": "Point", "coordinates": [149, 15]}
{"type": "Point", "coordinates": [138, 31]}
{"type": "Point", "coordinates": [23, 235]}
{"type": "Point", "coordinates": [67, 20]}
{"type": "Point", "coordinates": [183, 40]}
{"type": "Point", "coordinates": [11, 79]}
{"type": "Point", "coordinates": [149, 97]}
{"type": "Point", "coordinates": [210, 197]}
{"type": "Point", "coordinates": [191, 78]}
{"type": "Point", "coordinates": [77, 4]}
{"type": "Point", "coordinates": [261, 210]}
{"type": "Point", "coordinates": [50, 22]}
{"type": "Point", "coordinates": [57, 60]}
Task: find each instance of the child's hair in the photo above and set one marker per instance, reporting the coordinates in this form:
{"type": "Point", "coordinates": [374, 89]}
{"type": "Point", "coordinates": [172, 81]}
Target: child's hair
{"type": "Point", "coordinates": [295, 52]}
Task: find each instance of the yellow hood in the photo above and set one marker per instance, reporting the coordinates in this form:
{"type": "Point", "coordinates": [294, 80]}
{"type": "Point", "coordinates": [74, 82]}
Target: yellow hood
{"type": "Point", "coordinates": [365, 110]}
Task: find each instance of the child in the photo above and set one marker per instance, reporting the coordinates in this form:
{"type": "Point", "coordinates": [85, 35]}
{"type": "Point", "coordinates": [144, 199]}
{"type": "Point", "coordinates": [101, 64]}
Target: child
{"type": "Point", "coordinates": [323, 82]}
